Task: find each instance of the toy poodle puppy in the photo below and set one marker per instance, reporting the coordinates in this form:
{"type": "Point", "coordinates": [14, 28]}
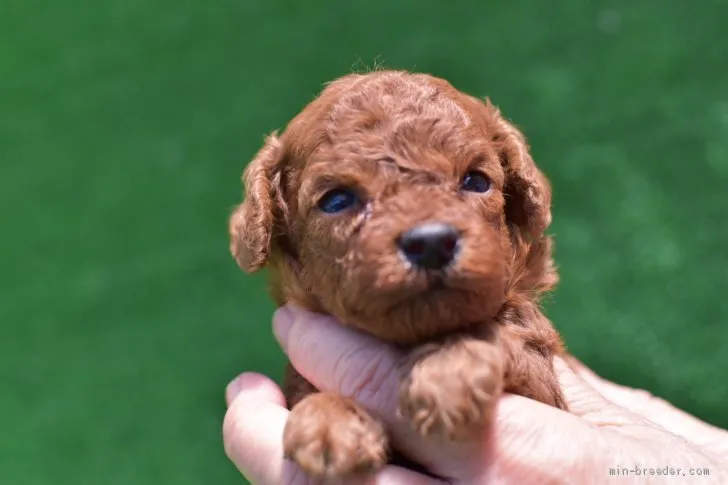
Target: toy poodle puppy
{"type": "Point", "coordinates": [413, 212]}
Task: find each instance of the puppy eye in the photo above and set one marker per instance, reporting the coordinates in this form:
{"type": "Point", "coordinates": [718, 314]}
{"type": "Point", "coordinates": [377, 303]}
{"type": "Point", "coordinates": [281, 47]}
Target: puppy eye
{"type": "Point", "coordinates": [337, 200]}
{"type": "Point", "coordinates": [475, 182]}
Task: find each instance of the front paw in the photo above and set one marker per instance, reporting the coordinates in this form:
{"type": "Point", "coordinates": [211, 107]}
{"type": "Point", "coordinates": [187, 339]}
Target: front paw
{"type": "Point", "coordinates": [450, 390]}
{"type": "Point", "coordinates": [332, 439]}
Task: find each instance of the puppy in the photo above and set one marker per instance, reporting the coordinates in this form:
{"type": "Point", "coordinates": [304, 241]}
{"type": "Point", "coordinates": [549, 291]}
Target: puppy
{"type": "Point", "coordinates": [413, 212]}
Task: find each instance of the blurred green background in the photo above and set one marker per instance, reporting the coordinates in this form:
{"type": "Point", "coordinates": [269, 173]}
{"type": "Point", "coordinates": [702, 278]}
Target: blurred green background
{"type": "Point", "coordinates": [125, 126]}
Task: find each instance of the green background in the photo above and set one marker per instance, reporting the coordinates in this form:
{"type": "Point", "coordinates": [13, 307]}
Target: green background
{"type": "Point", "coordinates": [125, 126]}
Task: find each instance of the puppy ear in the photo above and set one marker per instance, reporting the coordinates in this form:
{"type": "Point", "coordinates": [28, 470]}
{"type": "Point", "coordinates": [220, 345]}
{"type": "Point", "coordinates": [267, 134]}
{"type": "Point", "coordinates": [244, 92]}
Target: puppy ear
{"type": "Point", "coordinates": [527, 190]}
{"type": "Point", "coordinates": [251, 223]}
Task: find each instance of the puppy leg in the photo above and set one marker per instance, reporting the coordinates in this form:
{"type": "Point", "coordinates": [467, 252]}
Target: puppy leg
{"type": "Point", "coordinates": [329, 436]}
{"type": "Point", "coordinates": [529, 369]}
{"type": "Point", "coordinates": [449, 388]}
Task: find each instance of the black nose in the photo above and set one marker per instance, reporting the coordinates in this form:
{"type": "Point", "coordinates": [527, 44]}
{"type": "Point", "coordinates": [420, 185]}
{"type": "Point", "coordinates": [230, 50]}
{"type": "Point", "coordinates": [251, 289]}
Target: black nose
{"type": "Point", "coordinates": [430, 246]}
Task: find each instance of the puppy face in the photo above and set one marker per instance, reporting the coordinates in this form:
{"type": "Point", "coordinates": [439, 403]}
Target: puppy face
{"type": "Point", "coordinates": [393, 202]}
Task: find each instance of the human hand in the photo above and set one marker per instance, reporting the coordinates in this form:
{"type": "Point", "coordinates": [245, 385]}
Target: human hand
{"type": "Point", "coordinates": [608, 426]}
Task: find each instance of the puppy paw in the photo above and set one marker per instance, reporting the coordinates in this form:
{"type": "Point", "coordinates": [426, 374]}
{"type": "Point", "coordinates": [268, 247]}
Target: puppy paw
{"type": "Point", "coordinates": [450, 391]}
{"type": "Point", "coordinates": [333, 439]}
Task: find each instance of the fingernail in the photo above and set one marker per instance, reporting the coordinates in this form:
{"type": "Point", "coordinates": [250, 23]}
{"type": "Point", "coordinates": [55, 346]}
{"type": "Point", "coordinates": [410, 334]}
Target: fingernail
{"type": "Point", "coordinates": [232, 390]}
{"type": "Point", "coordinates": [282, 323]}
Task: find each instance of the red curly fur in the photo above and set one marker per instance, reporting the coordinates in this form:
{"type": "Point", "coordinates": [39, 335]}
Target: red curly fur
{"type": "Point", "coordinates": [403, 142]}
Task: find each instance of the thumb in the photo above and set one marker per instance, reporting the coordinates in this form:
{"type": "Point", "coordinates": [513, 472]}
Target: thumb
{"type": "Point", "coordinates": [583, 400]}
{"type": "Point", "coordinates": [586, 402]}
{"type": "Point", "coordinates": [656, 409]}
{"type": "Point", "coordinates": [336, 358]}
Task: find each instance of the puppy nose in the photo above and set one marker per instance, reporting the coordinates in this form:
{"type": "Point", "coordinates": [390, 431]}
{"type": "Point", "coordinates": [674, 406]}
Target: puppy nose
{"type": "Point", "coordinates": [430, 246]}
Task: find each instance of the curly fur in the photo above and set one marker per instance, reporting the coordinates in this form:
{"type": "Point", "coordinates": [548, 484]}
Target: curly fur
{"type": "Point", "coordinates": [403, 141]}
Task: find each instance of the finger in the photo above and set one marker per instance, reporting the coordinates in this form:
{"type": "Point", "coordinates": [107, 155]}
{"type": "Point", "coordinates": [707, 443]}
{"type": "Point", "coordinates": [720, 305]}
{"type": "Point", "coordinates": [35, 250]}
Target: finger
{"type": "Point", "coordinates": [256, 387]}
{"type": "Point", "coordinates": [584, 401]}
{"type": "Point", "coordinates": [253, 436]}
{"type": "Point", "coordinates": [333, 357]}
{"type": "Point", "coordinates": [531, 442]}
{"type": "Point", "coordinates": [336, 358]}
{"type": "Point", "coordinates": [626, 397]}
{"type": "Point", "coordinates": [612, 391]}
{"type": "Point", "coordinates": [535, 443]}
{"type": "Point", "coordinates": [253, 429]}
{"type": "Point", "coordinates": [655, 409]}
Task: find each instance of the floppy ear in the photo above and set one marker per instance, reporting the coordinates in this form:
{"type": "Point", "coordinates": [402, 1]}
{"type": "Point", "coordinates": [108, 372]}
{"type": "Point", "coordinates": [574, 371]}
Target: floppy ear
{"type": "Point", "coordinates": [251, 223]}
{"type": "Point", "coordinates": [527, 190]}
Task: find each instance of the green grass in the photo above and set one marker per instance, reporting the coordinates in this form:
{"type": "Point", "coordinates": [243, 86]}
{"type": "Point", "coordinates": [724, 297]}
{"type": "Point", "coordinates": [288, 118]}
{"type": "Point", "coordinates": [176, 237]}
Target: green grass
{"type": "Point", "coordinates": [125, 125]}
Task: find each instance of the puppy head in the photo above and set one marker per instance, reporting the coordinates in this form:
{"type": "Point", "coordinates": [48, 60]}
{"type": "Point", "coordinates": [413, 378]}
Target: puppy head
{"type": "Point", "coordinates": [396, 203]}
